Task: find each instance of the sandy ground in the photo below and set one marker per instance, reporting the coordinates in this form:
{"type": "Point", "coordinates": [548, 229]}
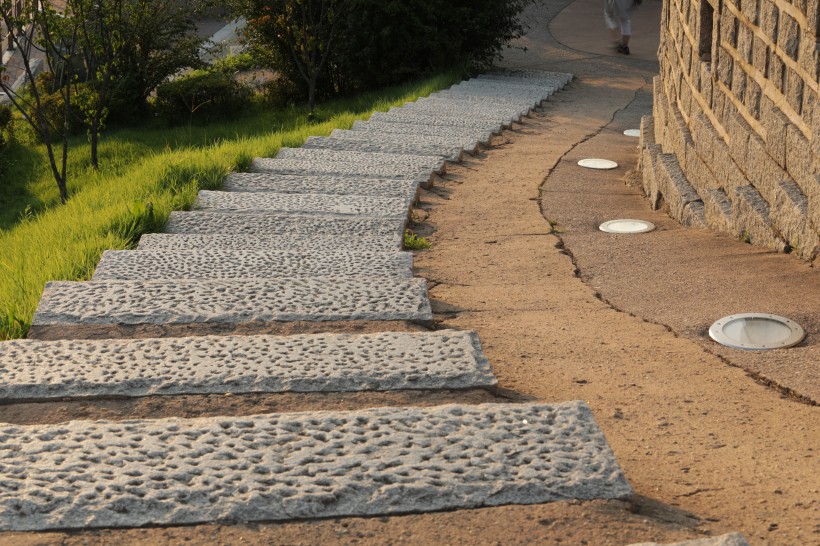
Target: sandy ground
{"type": "Point", "coordinates": [565, 312]}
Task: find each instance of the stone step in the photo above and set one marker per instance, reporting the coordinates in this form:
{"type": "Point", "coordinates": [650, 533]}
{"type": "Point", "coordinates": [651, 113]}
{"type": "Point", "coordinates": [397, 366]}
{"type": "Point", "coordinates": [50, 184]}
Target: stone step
{"type": "Point", "coordinates": [325, 184]}
{"type": "Point", "coordinates": [469, 138]}
{"type": "Point", "coordinates": [423, 176]}
{"type": "Point", "coordinates": [403, 162]}
{"type": "Point", "coordinates": [422, 119]}
{"type": "Point", "coordinates": [296, 225]}
{"type": "Point", "coordinates": [308, 243]}
{"type": "Point", "coordinates": [523, 106]}
{"type": "Point", "coordinates": [527, 98]}
{"type": "Point", "coordinates": [450, 153]}
{"type": "Point", "coordinates": [312, 203]}
{"type": "Point", "coordinates": [39, 370]}
{"type": "Point", "coordinates": [314, 299]}
{"type": "Point", "coordinates": [236, 264]}
{"type": "Point", "coordinates": [89, 474]}
{"type": "Point", "coordinates": [545, 88]}
{"type": "Point", "coordinates": [469, 108]}
{"type": "Point", "coordinates": [455, 143]}
{"type": "Point", "coordinates": [556, 79]}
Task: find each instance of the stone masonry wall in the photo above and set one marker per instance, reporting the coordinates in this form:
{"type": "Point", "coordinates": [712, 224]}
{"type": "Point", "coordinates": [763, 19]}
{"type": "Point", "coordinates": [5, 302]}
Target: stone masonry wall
{"type": "Point", "coordinates": [733, 141]}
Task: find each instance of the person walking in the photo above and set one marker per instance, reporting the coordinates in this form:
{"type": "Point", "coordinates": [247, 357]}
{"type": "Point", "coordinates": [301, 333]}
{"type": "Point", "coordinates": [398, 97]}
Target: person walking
{"type": "Point", "coordinates": [618, 13]}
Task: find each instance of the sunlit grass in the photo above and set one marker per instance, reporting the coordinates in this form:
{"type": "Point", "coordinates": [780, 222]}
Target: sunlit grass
{"type": "Point", "coordinates": [146, 173]}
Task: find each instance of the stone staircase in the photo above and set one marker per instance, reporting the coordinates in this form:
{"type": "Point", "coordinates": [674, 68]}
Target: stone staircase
{"type": "Point", "coordinates": [311, 236]}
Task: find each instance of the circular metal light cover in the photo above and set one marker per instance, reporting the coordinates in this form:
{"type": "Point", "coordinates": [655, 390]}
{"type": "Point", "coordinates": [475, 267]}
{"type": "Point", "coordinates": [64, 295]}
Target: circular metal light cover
{"type": "Point", "coordinates": [597, 164]}
{"type": "Point", "coordinates": [756, 331]}
{"type": "Point", "coordinates": [626, 225]}
{"type": "Point", "coordinates": [633, 132]}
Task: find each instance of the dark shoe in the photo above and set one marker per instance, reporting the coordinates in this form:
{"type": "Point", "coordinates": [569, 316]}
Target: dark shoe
{"type": "Point", "coordinates": [623, 49]}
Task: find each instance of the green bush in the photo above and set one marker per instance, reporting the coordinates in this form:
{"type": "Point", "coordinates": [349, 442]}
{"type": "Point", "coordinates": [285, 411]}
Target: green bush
{"type": "Point", "coordinates": [5, 125]}
{"type": "Point", "coordinates": [201, 96]}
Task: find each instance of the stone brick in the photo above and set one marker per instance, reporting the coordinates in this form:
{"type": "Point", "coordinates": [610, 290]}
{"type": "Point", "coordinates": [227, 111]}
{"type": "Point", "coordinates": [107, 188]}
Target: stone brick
{"type": "Point", "coordinates": [745, 40]}
{"type": "Point", "coordinates": [750, 213]}
{"type": "Point", "coordinates": [788, 36]}
{"type": "Point", "coordinates": [703, 135]}
{"type": "Point", "coordinates": [649, 179]}
{"type": "Point", "coordinates": [739, 132]}
{"type": "Point", "coordinates": [753, 94]}
{"type": "Point", "coordinates": [728, 28]}
{"type": "Point", "coordinates": [813, 13]}
{"type": "Point", "coordinates": [777, 72]}
{"type": "Point", "coordinates": [760, 55]}
{"type": "Point", "coordinates": [808, 57]}
{"type": "Point", "coordinates": [775, 124]}
{"type": "Point", "coordinates": [762, 171]}
{"type": "Point", "coordinates": [799, 162]}
{"type": "Point", "coordinates": [706, 83]}
{"type": "Point", "coordinates": [769, 15]}
{"type": "Point", "coordinates": [718, 211]}
{"type": "Point", "coordinates": [677, 191]}
{"type": "Point", "coordinates": [794, 90]}
{"type": "Point", "coordinates": [739, 83]}
{"type": "Point", "coordinates": [749, 10]}
{"type": "Point", "coordinates": [789, 216]}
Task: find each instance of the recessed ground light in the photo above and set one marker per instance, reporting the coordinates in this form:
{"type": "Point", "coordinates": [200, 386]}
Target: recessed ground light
{"type": "Point", "coordinates": [597, 164]}
{"type": "Point", "coordinates": [627, 225]}
{"type": "Point", "coordinates": [633, 132]}
{"type": "Point", "coordinates": [756, 331]}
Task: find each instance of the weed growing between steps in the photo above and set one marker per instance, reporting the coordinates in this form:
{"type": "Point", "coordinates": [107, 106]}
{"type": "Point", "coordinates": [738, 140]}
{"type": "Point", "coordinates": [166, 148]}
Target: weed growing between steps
{"type": "Point", "coordinates": [415, 242]}
{"type": "Point", "coordinates": [146, 173]}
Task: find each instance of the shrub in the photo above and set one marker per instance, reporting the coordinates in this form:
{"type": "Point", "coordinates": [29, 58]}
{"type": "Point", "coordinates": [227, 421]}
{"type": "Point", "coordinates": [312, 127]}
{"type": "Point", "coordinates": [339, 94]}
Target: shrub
{"type": "Point", "coordinates": [201, 96]}
{"type": "Point", "coordinates": [5, 125]}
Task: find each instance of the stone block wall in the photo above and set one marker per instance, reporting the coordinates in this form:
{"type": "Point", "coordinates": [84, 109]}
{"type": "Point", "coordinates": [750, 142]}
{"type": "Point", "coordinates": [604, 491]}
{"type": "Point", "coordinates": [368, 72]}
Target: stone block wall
{"type": "Point", "coordinates": [733, 143]}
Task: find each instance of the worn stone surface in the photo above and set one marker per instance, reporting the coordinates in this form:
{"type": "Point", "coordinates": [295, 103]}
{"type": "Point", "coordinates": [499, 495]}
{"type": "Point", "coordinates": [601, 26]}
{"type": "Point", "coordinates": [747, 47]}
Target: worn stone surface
{"type": "Point", "coordinates": [298, 225]}
{"type": "Point", "coordinates": [446, 359]}
{"type": "Point", "coordinates": [212, 263]}
{"type": "Point", "coordinates": [457, 111]}
{"type": "Point", "coordinates": [461, 135]}
{"type": "Point", "coordinates": [483, 109]}
{"type": "Point", "coordinates": [345, 205]}
{"type": "Point", "coordinates": [410, 139]}
{"type": "Point", "coordinates": [261, 242]}
{"type": "Point", "coordinates": [398, 146]}
{"type": "Point", "coordinates": [730, 539]}
{"type": "Point", "coordinates": [304, 465]}
{"type": "Point", "coordinates": [324, 184]}
{"type": "Point", "coordinates": [402, 162]}
{"type": "Point", "coordinates": [359, 170]}
{"type": "Point", "coordinates": [555, 79]}
{"type": "Point", "coordinates": [233, 301]}
{"type": "Point", "coordinates": [432, 119]}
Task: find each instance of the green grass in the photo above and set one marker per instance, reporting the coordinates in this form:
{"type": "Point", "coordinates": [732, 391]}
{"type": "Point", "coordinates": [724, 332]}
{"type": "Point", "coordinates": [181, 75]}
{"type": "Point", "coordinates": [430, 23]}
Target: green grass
{"type": "Point", "coordinates": [145, 174]}
{"type": "Point", "coordinates": [415, 242]}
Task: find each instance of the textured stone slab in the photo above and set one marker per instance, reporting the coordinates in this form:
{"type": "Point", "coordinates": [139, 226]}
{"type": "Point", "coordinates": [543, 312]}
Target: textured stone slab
{"type": "Point", "coordinates": [557, 79]}
{"type": "Point", "coordinates": [453, 110]}
{"type": "Point", "coordinates": [446, 359]}
{"type": "Point", "coordinates": [308, 243]}
{"type": "Point", "coordinates": [422, 175]}
{"type": "Point", "coordinates": [314, 203]}
{"type": "Point", "coordinates": [422, 119]}
{"type": "Point", "coordinates": [447, 142]}
{"type": "Point", "coordinates": [85, 474]}
{"type": "Point", "coordinates": [236, 264]}
{"type": "Point", "coordinates": [450, 153]}
{"type": "Point", "coordinates": [281, 224]}
{"type": "Point", "coordinates": [314, 299]}
{"type": "Point", "coordinates": [402, 162]}
{"type": "Point", "coordinates": [524, 106]}
{"type": "Point", "coordinates": [461, 135]}
{"type": "Point", "coordinates": [485, 109]}
{"type": "Point", "coordinates": [730, 539]}
{"type": "Point", "coordinates": [325, 184]}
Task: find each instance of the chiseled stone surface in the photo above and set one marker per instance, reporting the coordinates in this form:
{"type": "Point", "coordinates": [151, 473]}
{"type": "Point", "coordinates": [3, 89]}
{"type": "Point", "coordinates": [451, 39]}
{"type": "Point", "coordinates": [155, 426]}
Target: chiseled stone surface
{"type": "Point", "coordinates": [212, 263]}
{"type": "Point", "coordinates": [403, 146]}
{"type": "Point", "coordinates": [432, 119]}
{"type": "Point", "coordinates": [446, 359]}
{"type": "Point", "coordinates": [414, 139]}
{"type": "Point", "coordinates": [403, 162]}
{"type": "Point", "coordinates": [233, 301]}
{"type": "Point", "coordinates": [730, 539]}
{"type": "Point", "coordinates": [320, 166]}
{"type": "Point", "coordinates": [299, 225]}
{"type": "Point", "coordinates": [325, 184]}
{"type": "Point", "coordinates": [556, 79]}
{"type": "Point", "coordinates": [467, 136]}
{"type": "Point", "coordinates": [85, 474]}
{"type": "Point", "coordinates": [306, 243]}
{"type": "Point", "coordinates": [313, 203]}
{"type": "Point", "coordinates": [455, 109]}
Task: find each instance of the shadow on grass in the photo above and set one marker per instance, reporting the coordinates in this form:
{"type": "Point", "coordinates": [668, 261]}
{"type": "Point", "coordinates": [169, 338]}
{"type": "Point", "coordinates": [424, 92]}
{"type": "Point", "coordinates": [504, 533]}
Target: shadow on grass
{"type": "Point", "coordinates": [20, 166]}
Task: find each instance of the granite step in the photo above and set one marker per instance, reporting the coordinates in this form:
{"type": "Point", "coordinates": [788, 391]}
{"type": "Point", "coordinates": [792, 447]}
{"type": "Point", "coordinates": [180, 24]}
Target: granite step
{"type": "Point", "coordinates": [450, 153]}
{"type": "Point", "coordinates": [465, 136]}
{"type": "Point", "coordinates": [430, 119]}
{"type": "Point", "coordinates": [456, 143]}
{"type": "Point", "coordinates": [484, 108]}
{"type": "Point", "coordinates": [313, 299]}
{"type": "Point", "coordinates": [324, 184]}
{"type": "Point", "coordinates": [403, 162]}
{"type": "Point", "coordinates": [307, 243]}
{"type": "Point", "coordinates": [40, 370]}
{"type": "Point", "coordinates": [90, 474]}
{"type": "Point", "coordinates": [314, 203]}
{"type": "Point", "coordinates": [214, 263]}
{"type": "Point", "coordinates": [294, 225]}
{"type": "Point", "coordinates": [422, 175]}
{"type": "Point", "coordinates": [556, 79]}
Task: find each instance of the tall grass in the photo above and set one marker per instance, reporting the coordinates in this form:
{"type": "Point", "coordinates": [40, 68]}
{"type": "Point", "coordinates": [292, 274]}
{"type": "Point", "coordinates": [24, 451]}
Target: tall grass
{"type": "Point", "coordinates": [146, 174]}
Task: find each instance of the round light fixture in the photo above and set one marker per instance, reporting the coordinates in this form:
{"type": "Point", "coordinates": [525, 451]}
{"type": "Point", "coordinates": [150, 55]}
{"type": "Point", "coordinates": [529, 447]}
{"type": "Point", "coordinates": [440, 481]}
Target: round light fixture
{"type": "Point", "coordinates": [756, 331]}
{"type": "Point", "coordinates": [633, 132]}
{"type": "Point", "coordinates": [626, 225]}
{"type": "Point", "coordinates": [597, 164]}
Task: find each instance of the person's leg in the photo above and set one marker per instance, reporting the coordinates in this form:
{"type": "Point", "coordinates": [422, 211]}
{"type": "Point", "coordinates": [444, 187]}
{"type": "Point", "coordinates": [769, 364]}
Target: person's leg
{"type": "Point", "coordinates": [626, 33]}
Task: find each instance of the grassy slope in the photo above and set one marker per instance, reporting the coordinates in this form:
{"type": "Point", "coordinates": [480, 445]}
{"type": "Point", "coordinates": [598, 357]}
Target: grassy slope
{"type": "Point", "coordinates": [146, 173]}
